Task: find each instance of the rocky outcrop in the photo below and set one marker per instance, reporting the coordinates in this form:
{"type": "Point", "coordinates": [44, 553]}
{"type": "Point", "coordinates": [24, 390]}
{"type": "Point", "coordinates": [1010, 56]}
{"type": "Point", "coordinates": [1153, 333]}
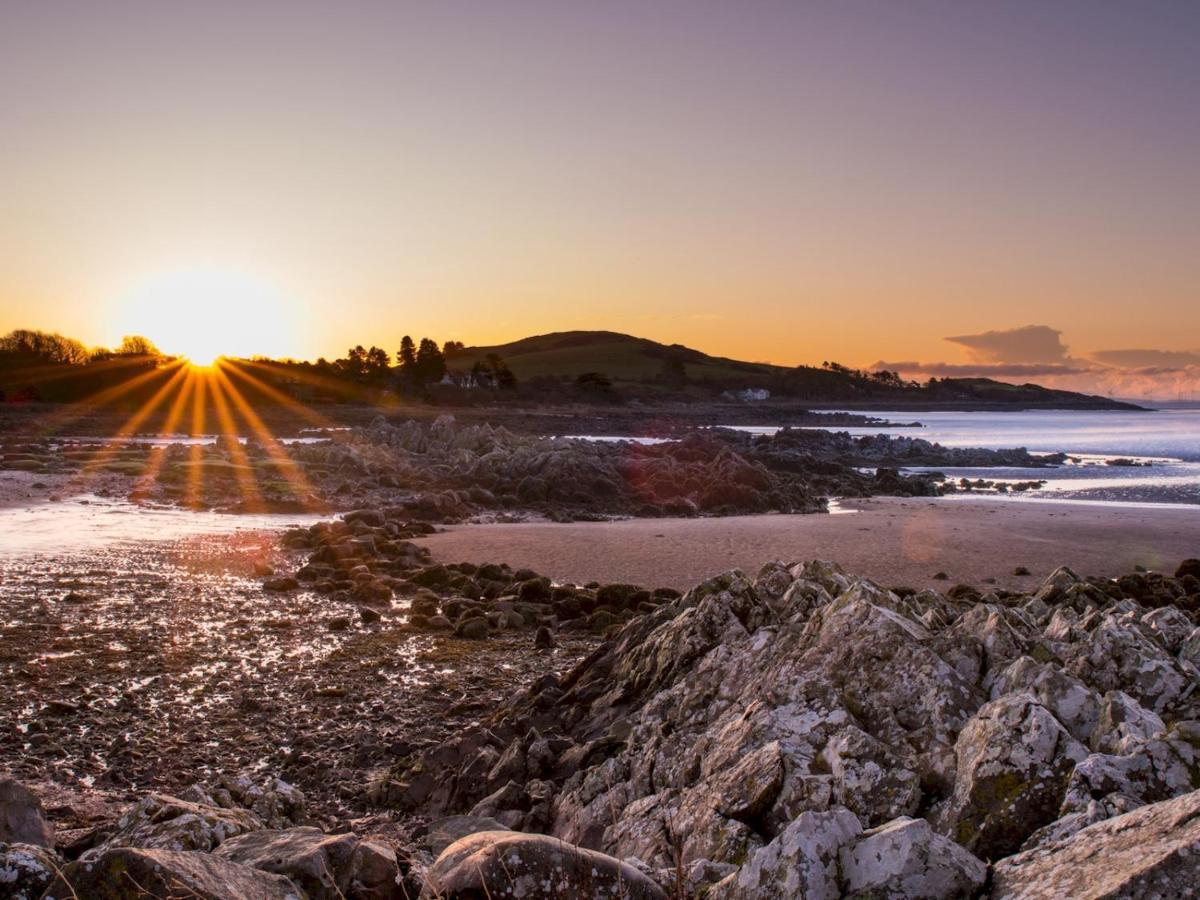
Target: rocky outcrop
{"type": "Point", "coordinates": [771, 736]}
{"type": "Point", "coordinates": [507, 864]}
{"type": "Point", "coordinates": [1153, 851]}
{"type": "Point", "coordinates": [326, 866]}
{"type": "Point", "coordinates": [21, 817]}
{"type": "Point", "coordinates": [26, 870]}
{"type": "Point", "coordinates": [127, 873]}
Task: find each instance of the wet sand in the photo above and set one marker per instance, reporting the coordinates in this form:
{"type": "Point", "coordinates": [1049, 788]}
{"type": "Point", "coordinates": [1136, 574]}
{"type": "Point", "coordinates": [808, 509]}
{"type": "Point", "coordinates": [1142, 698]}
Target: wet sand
{"type": "Point", "coordinates": [893, 540]}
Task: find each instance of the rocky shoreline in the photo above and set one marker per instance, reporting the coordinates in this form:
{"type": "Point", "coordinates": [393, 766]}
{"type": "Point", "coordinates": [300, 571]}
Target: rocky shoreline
{"type": "Point", "coordinates": [467, 731]}
{"type": "Point", "coordinates": [448, 472]}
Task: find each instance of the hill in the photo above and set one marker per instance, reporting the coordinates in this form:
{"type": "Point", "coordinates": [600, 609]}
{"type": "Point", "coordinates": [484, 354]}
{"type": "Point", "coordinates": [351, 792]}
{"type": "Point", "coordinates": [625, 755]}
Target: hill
{"type": "Point", "coordinates": [640, 365]}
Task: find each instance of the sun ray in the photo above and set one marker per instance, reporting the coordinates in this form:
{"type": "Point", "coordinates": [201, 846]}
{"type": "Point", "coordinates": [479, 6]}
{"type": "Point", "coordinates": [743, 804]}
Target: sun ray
{"type": "Point", "coordinates": [243, 471]}
{"type": "Point", "coordinates": [158, 456]}
{"type": "Point", "coordinates": [234, 367]}
{"type": "Point", "coordinates": [117, 441]}
{"type": "Point", "coordinates": [284, 464]}
{"type": "Point", "coordinates": [195, 483]}
{"type": "Point", "coordinates": [51, 423]}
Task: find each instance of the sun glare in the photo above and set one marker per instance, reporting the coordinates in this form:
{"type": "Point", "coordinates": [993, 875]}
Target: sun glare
{"type": "Point", "coordinates": [204, 314]}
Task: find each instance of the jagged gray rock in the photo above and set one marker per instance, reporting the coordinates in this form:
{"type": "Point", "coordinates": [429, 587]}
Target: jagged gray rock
{"type": "Point", "coordinates": [905, 859]}
{"type": "Point", "coordinates": [728, 726]}
{"type": "Point", "coordinates": [1153, 851]}
{"type": "Point", "coordinates": [326, 866]}
{"type": "Point", "coordinates": [26, 870]}
{"type": "Point", "coordinates": [128, 873]}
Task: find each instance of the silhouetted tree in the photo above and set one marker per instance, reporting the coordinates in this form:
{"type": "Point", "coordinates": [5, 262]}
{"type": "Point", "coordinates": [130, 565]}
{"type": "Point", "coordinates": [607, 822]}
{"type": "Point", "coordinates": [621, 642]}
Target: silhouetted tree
{"type": "Point", "coordinates": [498, 372]}
{"type": "Point", "coordinates": [377, 364]}
{"type": "Point", "coordinates": [430, 364]}
{"type": "Point", "coordinates": [44, 346]}
{"type": "Point", "coordinates": [407, 357]}
{"type": "Point", "coordinates": [354, 365]}
{"type": "Point", "coordinates": [452, 347]}
{"type": "Point", "coordinates": [137, 345]}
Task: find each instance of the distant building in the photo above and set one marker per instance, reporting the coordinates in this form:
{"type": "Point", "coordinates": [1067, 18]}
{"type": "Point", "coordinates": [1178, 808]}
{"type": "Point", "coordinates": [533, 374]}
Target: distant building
{"type": "Point", "coordinates": [748, 395]}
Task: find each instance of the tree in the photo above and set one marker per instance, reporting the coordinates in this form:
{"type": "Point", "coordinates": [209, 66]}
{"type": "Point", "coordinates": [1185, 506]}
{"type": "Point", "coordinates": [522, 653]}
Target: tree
{"type": "Point", "coordinates": [45, 346]}
{"type": "Point", "coordinates": [355, 363]}
{"type": "Point", "coordinates": [377, 364]}
{"type": "Point", "coordinates": [498, 371]}
{"type": "Point", "coordinates": [452, 347]}
{"type": "Point", "coordinates": [137, 345]}
{"type": "Point", "coordinates": [430, 365]}
{"type": "Point", "coordinates": [407, 357]}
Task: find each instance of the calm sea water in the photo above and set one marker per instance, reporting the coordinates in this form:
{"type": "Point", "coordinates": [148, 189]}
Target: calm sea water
{"type": "Point", "coordinates": [1168, 440]}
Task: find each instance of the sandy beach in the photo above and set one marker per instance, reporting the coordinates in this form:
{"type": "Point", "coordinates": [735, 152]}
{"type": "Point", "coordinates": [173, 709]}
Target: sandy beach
{"type": "Point", "coordinates": [895, 541]}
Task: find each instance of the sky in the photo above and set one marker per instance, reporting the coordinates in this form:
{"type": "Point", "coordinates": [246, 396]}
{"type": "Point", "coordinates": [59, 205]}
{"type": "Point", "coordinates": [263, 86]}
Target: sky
{"type": "Point", "coordinates": [957, 187]}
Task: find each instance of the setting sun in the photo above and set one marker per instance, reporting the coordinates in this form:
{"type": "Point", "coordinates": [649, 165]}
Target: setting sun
{"type": "Point", "coordinates": [203, 314]}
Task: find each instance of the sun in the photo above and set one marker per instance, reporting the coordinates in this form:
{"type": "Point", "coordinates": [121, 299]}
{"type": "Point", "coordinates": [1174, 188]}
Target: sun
{"type": "Point", "coordinates": [204, 314]}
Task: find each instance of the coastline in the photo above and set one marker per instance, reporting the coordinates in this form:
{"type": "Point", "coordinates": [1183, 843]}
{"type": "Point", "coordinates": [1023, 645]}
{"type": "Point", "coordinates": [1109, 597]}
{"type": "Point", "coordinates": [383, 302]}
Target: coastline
{"type": "Point", "coordinates": [896, 541]}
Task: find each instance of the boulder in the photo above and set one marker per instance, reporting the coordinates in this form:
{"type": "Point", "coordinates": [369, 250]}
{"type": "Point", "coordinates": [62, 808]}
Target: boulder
{"type": "Point", "coordinates": [1124, 724]}
{"type": "Point", "coordinates": [26, 870]}
{"type": "Point", "coordinates": [445, 832]}
{"type": "Point", "coordinates": [1150, 852]}
{"type": "Point", "coordinates": [531, 866]}
{"type": "Point", "coordinates": [1014, 759]}
{"type": "Point", "coordinates": [162, 822]}
{"type": "Point", "coordinates": [1188, 567]}
{"type": "Point", "coordinates": [906, 859]}
{"type": "Point", "coordinates": [326, 866]}
{"type": "Point", "coordinates": [802, 862]}
{"type": "Point", "coordinates": [21, 819]}
{"type": "Point", "coordinates": [128, 873]}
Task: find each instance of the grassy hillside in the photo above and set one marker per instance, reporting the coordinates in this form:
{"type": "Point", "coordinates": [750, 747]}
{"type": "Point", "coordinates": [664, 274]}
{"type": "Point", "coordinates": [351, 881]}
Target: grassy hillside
{"type": "Point", "coordinates": [641, 365]}
{"type": "Point", "coordinates": [619, 356]}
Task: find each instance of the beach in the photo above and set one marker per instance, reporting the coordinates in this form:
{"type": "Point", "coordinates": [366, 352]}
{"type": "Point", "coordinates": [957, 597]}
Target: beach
{"type": "Point", "coordinates": [896, 541]}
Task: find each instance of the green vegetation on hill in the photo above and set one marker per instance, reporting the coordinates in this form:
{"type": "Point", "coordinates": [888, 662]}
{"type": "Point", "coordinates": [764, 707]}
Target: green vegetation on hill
{"type": "Point", "coordinates": [639, 365]}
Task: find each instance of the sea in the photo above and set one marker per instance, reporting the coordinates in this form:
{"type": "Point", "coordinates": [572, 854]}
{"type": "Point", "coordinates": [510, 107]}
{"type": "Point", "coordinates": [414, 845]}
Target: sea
{"type": "Point", "coordinates": [1164, 444]}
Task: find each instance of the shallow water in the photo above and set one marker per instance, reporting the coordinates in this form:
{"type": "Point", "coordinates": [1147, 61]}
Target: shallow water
{"type": "Point", "coordinates": [91, 522]}
{"type": "Point", "coordinates": [1168, 440]}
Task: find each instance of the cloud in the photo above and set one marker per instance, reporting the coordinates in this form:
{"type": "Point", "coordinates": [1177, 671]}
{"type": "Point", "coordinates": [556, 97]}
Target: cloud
{"type": "Point", "coordinates": [983, 370]}
{"type": "Point", "coordinates": [1037, 353]}
{"type": "Point", "coordinates": [1146, 360]}
{"type": "Point", "coordinates": [1029, 344]}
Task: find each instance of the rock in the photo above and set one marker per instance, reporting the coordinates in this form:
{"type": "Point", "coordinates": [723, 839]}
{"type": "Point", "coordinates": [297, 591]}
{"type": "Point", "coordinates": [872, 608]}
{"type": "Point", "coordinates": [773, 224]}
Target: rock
{"type": "Point", "coordinates": [475, 629]}
{"type": "Point", "coordinates": [1014, 759]}
{"type": "Point", "coordinates": [534, 867]}
{"type": "Point", "coordinates": [368, 615]}
{"type": "Point", "coordinates": [1124, 724]}
{"type": "Point", "coordinates": [802, 862]}
{"type": "Point", "coordinates": [21, 819]}
{"type": "Point", "coordinates": [373, 518]}
{"type": "Point", "coordinates": [128, 873]}
{"type": "Point", "coordinates": [1150, 852]}
{"type": "Point", "coordinates": [1069, 699]}
{"type": "Point", "coordinates": [326, 866]}
{"type": "Point", "coordinates": [26, 870]}
{"type": "Point", "coordinates": [868, 777]}
{"type": "Point", "coordinates": [338, 623]}
{"type": "Point", "coordinates": [281, 585]}
{"type": "Point", "coordinates": [445, 832]}
{"type": "Point", "coordinates": [1188, 567]}
{"type": "Point", "coordinates": [907, 859]}
{"type": "Point", "coordinates": [161, 822]}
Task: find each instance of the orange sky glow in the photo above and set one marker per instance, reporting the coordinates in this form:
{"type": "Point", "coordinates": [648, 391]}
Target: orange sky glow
{"type": "Point", "coordinates": [1008, 189]}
